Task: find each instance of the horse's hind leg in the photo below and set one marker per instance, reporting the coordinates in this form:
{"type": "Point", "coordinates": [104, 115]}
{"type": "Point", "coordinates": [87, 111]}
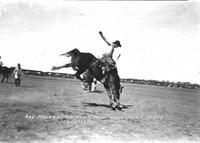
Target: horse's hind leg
{"type": "Point", "coordinates": [78, 73]}
{"type": "Point", "coordinates": [60, 67]}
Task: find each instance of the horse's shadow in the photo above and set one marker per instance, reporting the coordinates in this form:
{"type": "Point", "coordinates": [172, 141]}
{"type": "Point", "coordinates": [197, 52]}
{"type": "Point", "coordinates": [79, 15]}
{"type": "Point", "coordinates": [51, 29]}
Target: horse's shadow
{"type": "Point", "coordinates": [95, 105]}
{"type": "Point", "coordinates": [7, 82]}
{"type": "Point", "coordinates": [97, 91]}
{"type": "Point", "coordinates": [103, 105]}
{"type": "Point", "coordinates": [27, 86]}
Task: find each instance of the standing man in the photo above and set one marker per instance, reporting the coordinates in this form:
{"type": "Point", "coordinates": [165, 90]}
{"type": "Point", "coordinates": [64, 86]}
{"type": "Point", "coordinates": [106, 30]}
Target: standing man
{"type": "Point", "coordinates": [1, 63]}
{"type": "Point", "coordinates": [108, 57]}
{"type": "Point", "coordinates": [18, 72]}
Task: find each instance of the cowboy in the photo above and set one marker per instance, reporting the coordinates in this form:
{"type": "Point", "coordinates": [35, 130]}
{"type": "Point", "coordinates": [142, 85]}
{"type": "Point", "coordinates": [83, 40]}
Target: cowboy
{"type": "Point", "coordinates": [108, 57]}
{"type": "Point", "coordinates": [18, 72]}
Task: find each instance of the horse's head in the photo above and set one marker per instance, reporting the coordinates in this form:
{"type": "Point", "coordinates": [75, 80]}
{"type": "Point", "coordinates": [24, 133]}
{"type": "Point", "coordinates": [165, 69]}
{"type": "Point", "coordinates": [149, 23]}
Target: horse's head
{"type": "Point", "coordinates": [96, 69]}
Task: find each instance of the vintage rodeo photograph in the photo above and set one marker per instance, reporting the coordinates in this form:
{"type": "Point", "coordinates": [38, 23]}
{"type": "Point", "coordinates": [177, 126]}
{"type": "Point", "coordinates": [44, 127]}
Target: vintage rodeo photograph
{"type": "Point", "coordinates": [99, 71]}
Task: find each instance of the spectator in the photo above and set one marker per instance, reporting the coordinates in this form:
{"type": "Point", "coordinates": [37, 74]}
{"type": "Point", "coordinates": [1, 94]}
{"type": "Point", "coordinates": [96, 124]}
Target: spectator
{"type": "Point", "coordinates": [1, 63]}
{"type": "Point", "coordinates": [18, 72]}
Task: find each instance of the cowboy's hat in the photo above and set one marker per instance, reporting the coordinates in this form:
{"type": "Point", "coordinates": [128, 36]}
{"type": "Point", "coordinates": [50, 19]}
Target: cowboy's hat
{"type": "Point", "coordinates": [117, 42]}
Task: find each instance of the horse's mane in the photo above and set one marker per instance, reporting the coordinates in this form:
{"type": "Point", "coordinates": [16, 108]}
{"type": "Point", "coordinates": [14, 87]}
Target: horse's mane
{"type": "Point", "coordinates": [73, 52]}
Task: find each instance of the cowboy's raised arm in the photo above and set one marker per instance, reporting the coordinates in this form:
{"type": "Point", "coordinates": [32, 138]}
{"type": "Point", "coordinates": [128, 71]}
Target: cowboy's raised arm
{"type": "Point", "coordinates": [102, 36]}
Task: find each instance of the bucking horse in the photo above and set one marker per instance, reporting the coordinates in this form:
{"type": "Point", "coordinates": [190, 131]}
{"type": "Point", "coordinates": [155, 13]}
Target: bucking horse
{"type": "Point", "coordinates": [80, 62]}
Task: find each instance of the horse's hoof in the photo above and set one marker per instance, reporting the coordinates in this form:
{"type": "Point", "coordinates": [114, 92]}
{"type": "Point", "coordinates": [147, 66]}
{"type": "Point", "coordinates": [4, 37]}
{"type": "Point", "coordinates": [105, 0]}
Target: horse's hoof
{"type": "Point", "coordinates": [120, 107]}
{"type": "Point", "coordinates": [115, 108]}
{"type": "Point", "coordinates": [125, 106]}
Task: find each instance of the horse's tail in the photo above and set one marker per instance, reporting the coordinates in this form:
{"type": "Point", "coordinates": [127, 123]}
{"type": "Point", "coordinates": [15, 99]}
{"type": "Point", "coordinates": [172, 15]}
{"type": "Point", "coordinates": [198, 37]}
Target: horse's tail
{"type": "Point", "coordinates": [73, 52]}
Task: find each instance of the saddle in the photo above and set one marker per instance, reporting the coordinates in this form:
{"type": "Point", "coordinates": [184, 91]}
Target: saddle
{"type": "Point", "coordinates": [108, 62]}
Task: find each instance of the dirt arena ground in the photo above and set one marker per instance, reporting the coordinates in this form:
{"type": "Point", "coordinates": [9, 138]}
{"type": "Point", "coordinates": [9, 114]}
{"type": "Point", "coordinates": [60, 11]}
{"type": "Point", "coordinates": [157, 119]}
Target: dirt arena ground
{"type": "Point", "coordinates": [48, 110]}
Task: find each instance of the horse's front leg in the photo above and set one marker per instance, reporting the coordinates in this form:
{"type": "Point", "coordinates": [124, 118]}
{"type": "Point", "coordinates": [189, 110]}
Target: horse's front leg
{"type": "Point", "coordinates": [119, 105]}
{"type": "Point", "coordinates": [117, 101]}
{"type": "Point", "coordinates": [112, 103]}
{"type": "Point", "coordinates": [60, 67]}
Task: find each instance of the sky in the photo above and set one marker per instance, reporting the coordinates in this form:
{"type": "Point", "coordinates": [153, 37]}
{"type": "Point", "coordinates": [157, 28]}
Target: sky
{"type": "Point", "coordinates": [160, 40]}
